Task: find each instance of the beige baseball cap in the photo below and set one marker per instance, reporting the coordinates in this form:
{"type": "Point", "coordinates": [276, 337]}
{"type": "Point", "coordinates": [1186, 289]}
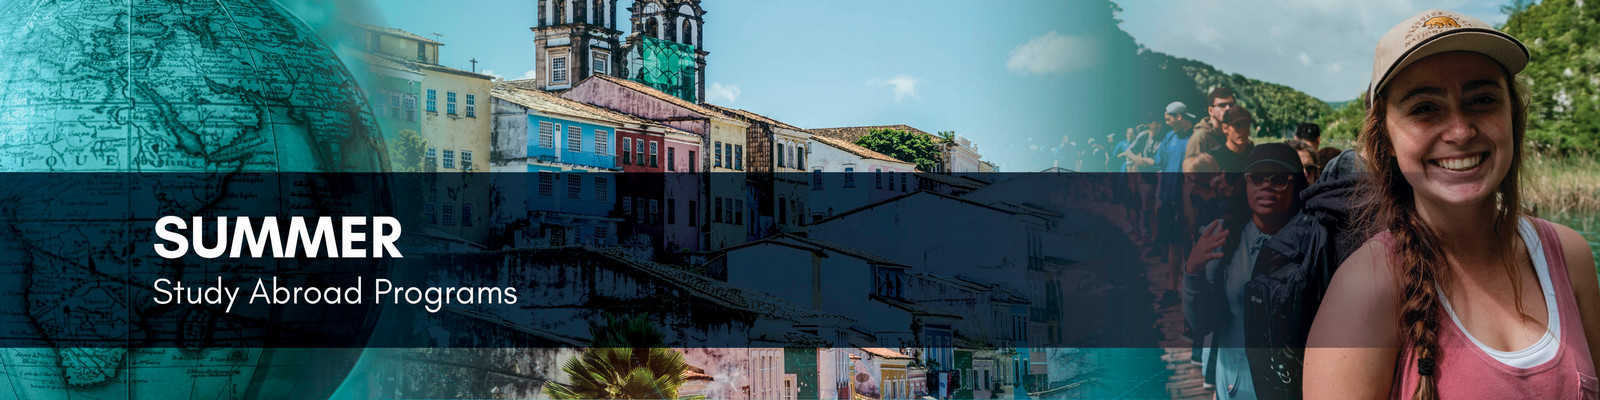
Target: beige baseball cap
{"type": "Point", "coordinates": [1438, 31]}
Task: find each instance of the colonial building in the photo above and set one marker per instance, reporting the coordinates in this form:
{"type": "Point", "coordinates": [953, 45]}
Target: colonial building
{"type": "Point", "coordinates": [443, 108]}
{"type": "Point", "coordinates": [776, 173]}
{"type": "Point", "coordinates": [845, 176]}
{"type": "Point", "coordinates": [720, 200]}
{"type": "Point", "coordinates": [678, 70]}
{"type": "Point", "coordinates": [959, 156]}
{"type": "Point", "coordinates": [566, 189]}
{"type": "Point", "coordinates": [575, 39]}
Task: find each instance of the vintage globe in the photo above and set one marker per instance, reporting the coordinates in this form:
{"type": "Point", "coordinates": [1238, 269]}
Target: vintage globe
{"type": "Point", "coordinates": [116, 112]}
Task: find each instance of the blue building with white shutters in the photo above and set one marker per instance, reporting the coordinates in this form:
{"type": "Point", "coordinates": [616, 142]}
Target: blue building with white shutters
{"type": "Point", "coordinates": [561, 161]}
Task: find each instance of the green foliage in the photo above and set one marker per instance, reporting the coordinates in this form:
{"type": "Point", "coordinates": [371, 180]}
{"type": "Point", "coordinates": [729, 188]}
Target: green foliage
{"type": "Point", "coordinates": [625, 362]}
{"type": "Point", "coordinates": [406, 152]}
{"type": "Point", "coordinates": [905, 146]}
{"type": "Point", "coordinates": [1344, 123]}
{"type": "Point", "coordinates": [1563, 74]}
{"type": "Point", "coordinates": [1277, 108]}
{"type": "Point", "coordinates": [1145, 81]}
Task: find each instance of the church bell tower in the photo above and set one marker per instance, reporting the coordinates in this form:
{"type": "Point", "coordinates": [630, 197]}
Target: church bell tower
{"type": "Point", "coordinates": [678, 21]}
{"type": "Point", "coordinates": [574, 39]}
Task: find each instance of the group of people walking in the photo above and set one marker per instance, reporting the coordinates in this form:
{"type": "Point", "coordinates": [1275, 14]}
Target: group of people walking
{"type": "Point", "coordinates": [1406, 268]}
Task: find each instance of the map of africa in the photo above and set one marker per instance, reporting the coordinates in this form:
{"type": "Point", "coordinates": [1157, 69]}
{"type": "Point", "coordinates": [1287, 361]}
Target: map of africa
{"type": "Point", "coordinates": [164, 108]}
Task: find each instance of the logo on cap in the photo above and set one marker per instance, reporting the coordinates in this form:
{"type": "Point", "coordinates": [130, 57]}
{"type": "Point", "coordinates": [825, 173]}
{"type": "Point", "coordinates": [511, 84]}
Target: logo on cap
{"type": "Point", "coordinates": [1441, 22]}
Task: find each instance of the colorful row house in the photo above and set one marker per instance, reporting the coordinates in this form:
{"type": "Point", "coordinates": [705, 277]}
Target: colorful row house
{"type": "Point", "coordinates": [716, 205]}
{"type": "Point", "coordinates": [565, 188]}
{"type": "Point", "coordinates": [779, 186]}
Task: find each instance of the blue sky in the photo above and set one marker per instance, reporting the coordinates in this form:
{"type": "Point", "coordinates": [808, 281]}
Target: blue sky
{"type": "Point", "coordinates": [1001, 73]}
{"type": "Point", "coordinates": [1321, 47]}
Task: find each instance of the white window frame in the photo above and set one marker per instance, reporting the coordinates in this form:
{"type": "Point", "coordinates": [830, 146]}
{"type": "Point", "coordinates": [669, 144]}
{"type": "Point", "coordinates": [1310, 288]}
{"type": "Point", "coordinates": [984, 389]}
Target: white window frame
{"type": "Point", "coordinates": [558, 75]}
{"type": "Point", "coordinates": [574, 138]}
{"type": "Point", "coordinates": [599, 63]}
{"type": "Point", "coordinates": [547, 134]}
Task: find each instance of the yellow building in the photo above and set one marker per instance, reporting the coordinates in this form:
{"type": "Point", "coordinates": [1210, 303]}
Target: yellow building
{"type": "Point", "coordinates": [725, 185]}
{"type": "Point", "coordinates": [448, 109]}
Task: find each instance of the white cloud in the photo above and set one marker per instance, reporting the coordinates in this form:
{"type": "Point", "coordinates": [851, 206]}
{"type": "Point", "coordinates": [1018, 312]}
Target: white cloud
{"type": "Point", "coordinates": [1054, 53]}
{"type": "Point", "coordinates": [491, 72]}
{"type": "Point", "coordinates": [903, 86]}
{"type": "Point", "coordinates": [718, 92]}
{"type": "Point", "coordinates": [1305, 60]}
{"type": "Point", "coordinates": [1335, 68]}
{"type": "Point", "coordinates": [529, 74]}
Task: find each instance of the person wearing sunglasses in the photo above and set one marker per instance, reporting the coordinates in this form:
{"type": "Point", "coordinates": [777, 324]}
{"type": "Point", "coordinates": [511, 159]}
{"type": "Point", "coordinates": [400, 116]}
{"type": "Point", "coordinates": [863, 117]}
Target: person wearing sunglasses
{"type": "Point", "coordinates": [1223, 259]}
{"type": "Point", "coordinates": [1308, 157]}
{"type": "Point", "coordinates": [1208, 132]}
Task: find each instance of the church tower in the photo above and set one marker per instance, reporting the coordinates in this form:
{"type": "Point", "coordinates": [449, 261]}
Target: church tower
{"type": "Point", "coordinates": [574, 39]}
{"type": "Point", "coordinates": [678, 21]}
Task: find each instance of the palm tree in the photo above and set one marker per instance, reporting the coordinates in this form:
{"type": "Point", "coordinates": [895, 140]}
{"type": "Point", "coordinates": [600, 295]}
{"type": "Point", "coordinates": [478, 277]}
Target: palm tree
{"type": "Point", "coordinates": [947, 140]}
{"type": "Point", "coordinates": [627, 361]}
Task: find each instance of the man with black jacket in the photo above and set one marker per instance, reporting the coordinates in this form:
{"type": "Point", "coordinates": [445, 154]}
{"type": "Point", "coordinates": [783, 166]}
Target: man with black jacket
{"type": "Point", "coordinates": [1292, 274]}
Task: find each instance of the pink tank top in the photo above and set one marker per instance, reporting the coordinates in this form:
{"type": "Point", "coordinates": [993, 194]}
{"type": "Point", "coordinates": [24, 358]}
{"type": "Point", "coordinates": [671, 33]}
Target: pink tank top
{"type": "Point", "coordinates": [1465, 371]}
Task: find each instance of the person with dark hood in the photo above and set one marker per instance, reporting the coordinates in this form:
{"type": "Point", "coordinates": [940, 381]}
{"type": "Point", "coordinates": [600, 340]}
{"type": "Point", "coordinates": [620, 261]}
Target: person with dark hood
{"type": "Point", "coordinates": [1224, 259]}
{"type": "Point", "coordinates": [1293, 272]}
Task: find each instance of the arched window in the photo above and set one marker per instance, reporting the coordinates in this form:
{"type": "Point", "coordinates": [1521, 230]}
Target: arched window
{"type": "Point", "coordinates": [566, 13]}
{"type": "Point", "coordinates": [652, 27]}
{"type": "Point", "coordinates": [549, 12]}
{"type": "Point", "coordinates": [588, 11]}
{"type": "Point", "coordinates": [678, 30]}
{"type": "Point", "coordinates": [605, 13]}
{"type": "Point", "coordinates": [690, 34]}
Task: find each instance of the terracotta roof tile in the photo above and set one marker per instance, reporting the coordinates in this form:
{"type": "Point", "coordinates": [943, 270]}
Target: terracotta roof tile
{"type": "Point", "coordinates": [853, 148]}
{"type": "Point", "coordinates": [885, 353]}
{"type": "Point", "coordinates": [551, 103]}
{"type": "Point", "coordinates": [719, 291]}
{"type": "Point", "coordinates": [752, 117]}
{"type": "Point", "coordinates": [854, 133]}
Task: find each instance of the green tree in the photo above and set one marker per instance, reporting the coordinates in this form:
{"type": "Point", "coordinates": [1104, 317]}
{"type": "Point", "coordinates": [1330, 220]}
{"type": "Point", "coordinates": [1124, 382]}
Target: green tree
{"type": "Point", "coordinates": [406, 152]}
{"type": "Point", "coordinates": [1344, 123]}
{"type": "Point", "coordinates": [1563, 39]}
{"type": "Point", "coordinates": [905, 146]}
{"type": "Point", "coordinates": [626, 361]}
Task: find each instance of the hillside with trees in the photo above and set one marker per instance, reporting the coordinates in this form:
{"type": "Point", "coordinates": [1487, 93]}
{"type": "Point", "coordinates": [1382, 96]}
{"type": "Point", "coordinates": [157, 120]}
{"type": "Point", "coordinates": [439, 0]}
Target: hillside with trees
{"type": "Point", "coordinates": [1160, 78]}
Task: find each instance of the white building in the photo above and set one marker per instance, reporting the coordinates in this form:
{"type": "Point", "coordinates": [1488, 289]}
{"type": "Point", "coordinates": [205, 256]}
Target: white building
{"type": "Point", "coordinates": [845, 176]}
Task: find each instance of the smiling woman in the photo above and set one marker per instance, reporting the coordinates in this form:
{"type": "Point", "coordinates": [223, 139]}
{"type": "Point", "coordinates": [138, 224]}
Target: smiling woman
{"type": "Point", "coordinates": [1455, 267]}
